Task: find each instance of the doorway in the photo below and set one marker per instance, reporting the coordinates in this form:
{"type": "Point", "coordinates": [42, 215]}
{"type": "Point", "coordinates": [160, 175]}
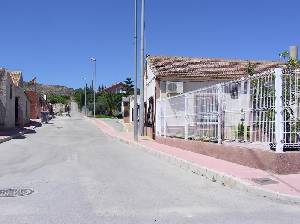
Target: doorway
{"type": "Point", "coordinates": [17, 111]}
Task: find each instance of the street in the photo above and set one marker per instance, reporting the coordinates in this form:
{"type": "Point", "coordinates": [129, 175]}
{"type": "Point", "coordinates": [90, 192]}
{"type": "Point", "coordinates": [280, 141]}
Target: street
{"type": "Point", "coordinates": [80, 175]}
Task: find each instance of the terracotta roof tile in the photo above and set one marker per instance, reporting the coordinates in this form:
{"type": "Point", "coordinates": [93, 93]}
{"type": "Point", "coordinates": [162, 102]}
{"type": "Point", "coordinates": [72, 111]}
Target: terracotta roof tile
{"type": "Point", "coordinates": [16, 77]}
{"type": "Point", "coordinates": [205, 68]}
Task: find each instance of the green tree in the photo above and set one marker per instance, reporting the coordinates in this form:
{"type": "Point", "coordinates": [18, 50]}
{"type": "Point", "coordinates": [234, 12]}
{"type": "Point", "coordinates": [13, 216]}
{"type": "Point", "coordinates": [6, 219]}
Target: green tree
{"type": "Point", "coordinates": [100, 88]}
{"type": "Point", "coordinates": [291, 63]}
{"type": "Point", "coordinates": [56, 98]}
{"type": "Point", "coordinates": [250, 69]}
{"type": "Point", "coordinates": [108, 103]}
{"type": "Point", "coordinates": [77, 96]}
{"type": "Point", "coordinates": [285, 55]}
{"type": "Point", "coordinates": [128, 87]}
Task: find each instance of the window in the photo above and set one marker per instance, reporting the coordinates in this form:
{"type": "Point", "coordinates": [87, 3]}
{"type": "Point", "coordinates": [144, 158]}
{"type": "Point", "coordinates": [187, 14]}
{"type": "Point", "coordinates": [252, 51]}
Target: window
{"type": "Point", "coordinates": [245, 87]}
{"type": "Point", "coordinates": [234, 90]}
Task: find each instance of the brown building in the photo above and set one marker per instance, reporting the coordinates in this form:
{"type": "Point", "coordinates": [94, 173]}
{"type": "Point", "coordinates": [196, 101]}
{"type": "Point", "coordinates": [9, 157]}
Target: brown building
{"type": "Point", "coordinates": [36, 104]}
{"type": "Point", "coordinates": [115, 88]}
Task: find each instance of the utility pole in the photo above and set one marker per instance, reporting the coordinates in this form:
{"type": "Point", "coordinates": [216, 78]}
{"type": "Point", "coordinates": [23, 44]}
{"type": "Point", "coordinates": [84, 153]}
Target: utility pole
{"type": "Point", "coordinates": [94, 84]}
{"type": "Point", "coordinates": [142, 109]}
{"type": "Point", "coordinates": [135, 113]}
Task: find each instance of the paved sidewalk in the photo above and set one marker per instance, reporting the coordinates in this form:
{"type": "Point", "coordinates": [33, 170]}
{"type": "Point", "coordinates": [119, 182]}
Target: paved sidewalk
{"type": "Point", "coordinates": [287, 187]}
{"type": "Point", "coordinates": [17, 132]}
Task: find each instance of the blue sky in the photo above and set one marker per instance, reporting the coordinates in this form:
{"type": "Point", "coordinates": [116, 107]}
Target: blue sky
{"type": "Point", "coordinates": [55, 39]}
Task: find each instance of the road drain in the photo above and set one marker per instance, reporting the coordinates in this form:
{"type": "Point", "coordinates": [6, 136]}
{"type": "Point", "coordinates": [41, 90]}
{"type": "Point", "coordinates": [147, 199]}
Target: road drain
{"type": "Point", "coordinates": [264, 181]}
{"type": "Point", "coordinates": [59, 127]}
{"type": "Point", "coordinates": [15, 192]}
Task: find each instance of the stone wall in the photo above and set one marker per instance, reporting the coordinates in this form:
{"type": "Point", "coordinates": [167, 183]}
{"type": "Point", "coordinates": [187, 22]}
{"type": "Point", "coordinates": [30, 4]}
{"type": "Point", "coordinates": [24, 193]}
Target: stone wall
{"type": "Point", "coordinates": [7, 101]}
{"type": "Point", "coordinates": [35, 106]}
{"type": "Point", "coordinates": [8, 94]}
{"type": "Point", "coordinates": [58, 108]}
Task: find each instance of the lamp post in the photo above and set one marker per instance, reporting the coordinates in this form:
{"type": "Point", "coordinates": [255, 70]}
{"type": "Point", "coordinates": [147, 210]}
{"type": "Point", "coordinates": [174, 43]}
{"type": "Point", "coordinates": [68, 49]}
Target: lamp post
{"type": "Point", "coordinates": [135, 113]}
{"type": "Point", "coordinates": [93, 60]}
{"type": "Point", "coordinates": [142, 109]}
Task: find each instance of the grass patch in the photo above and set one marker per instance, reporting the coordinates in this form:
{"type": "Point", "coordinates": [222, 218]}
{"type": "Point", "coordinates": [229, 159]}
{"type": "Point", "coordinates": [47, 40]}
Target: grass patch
{"type": "Point", "coordinates": [104, 116]}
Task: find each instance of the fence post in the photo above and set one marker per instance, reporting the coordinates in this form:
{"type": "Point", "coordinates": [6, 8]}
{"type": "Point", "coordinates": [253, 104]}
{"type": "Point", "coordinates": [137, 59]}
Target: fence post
{"type": "Point", "coordinates": [219, 92]}
{"type": "Point", "coordinates": [165, 122]}
{"type": "Point", "coordinates": [244, 90]}
{"type": "Point", "coordinates": [250, 114]}
{"type": "Point", "coordinates": [186, 124]}
{"type": "Point", "coordinates": [279, 120]}
{"type": "Point", "coordinates": [158, 113]}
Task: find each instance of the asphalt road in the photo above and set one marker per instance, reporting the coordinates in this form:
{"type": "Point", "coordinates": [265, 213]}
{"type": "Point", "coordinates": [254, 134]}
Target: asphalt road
{"type": "Point", "coordinates": [79, 175]}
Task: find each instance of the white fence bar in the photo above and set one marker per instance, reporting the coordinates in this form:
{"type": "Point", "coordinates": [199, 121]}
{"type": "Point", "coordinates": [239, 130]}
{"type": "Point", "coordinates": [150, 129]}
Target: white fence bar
{"type": "Point", "coordinates": [262, 109]}
{"type": "Point", "coordinates": [165, 121]}
{"type": "Point", "coordinates": [186, 127]}
{"type": "Point", "coordinates": [279, 119]}
{"type": "Point", "coordinates": [220, 113]}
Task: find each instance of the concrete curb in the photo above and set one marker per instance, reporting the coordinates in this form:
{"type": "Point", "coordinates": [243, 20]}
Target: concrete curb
{"type": "Point", "coordinates": [213, 175]}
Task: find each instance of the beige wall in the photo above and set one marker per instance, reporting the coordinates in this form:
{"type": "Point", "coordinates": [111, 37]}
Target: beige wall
{"type": "Point", "coordinates": [7, 103]}
{"type": "Point", "coordinates": [59, 107]}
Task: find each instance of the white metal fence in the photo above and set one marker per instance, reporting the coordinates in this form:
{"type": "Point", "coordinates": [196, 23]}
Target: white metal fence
{"type": "Point", "coordinates": [262, 108]}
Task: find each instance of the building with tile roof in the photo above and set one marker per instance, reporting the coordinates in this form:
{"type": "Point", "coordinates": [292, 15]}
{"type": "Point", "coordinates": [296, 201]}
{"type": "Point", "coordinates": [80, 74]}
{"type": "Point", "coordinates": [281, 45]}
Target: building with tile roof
{"type": "Point", "coordinates": [14, 104]}
{"type": "Point", "coordinates": [115, 88]}
{"type": "Point", "coordinates": [167, 76]}
{"type": "Point", "coordinates": [205, 68]}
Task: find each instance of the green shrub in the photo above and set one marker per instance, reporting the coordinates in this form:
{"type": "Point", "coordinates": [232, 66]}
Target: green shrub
{"type": "Point", "coordinates": [55, 98]}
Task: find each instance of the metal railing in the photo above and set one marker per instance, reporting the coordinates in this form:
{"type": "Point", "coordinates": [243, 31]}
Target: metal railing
{"type": "Point", "coordinates": [262, 108]}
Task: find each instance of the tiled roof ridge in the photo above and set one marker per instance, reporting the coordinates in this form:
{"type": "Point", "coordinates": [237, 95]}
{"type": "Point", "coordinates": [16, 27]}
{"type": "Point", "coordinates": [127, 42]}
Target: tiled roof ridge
{"type": "Point", "coordinates": [16, 72]}
{"type": "Point", "coordinates": [15, 76]}
{"type": "Point", "coordinates": [210, 58]}
{"type": "Point", "coordinates": [183, 67]}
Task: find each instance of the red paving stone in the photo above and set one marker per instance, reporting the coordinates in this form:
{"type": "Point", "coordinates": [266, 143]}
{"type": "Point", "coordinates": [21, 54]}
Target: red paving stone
{"type": "Point", "coordinates": [287, 184]}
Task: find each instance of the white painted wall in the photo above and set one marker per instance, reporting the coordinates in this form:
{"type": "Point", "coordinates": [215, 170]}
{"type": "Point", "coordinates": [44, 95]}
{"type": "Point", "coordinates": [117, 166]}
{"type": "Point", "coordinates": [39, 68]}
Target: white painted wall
{"type": "Point", "coordinates": [188, 86]}
{"type": "Point", "coordinates": [149, 84]}
{"type": "Point", "coordinates": [131, 106]}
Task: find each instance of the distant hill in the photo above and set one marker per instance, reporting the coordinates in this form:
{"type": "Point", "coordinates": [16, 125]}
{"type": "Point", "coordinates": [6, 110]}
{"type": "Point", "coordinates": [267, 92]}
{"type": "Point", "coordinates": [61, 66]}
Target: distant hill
{"type": "Point", "coordinates": [49, 89]}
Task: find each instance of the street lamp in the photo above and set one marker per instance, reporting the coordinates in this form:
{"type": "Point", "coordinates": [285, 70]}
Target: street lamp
{"type": "Point", "coordinates": [142, 109]}
{"type": "Point", "coordinates": [135, 114]}
{"type": "Point", "coordinates": [93, 60]}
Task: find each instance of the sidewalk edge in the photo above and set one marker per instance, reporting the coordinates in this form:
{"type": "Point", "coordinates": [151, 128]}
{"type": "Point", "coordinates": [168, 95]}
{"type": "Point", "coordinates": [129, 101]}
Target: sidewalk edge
{"type": "Point", "coordinates": [212, 175]}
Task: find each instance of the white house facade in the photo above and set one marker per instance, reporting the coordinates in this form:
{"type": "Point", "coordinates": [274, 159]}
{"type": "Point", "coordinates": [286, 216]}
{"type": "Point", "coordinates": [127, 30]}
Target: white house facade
{"type": "Point", "coordinates": [171, 76]}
